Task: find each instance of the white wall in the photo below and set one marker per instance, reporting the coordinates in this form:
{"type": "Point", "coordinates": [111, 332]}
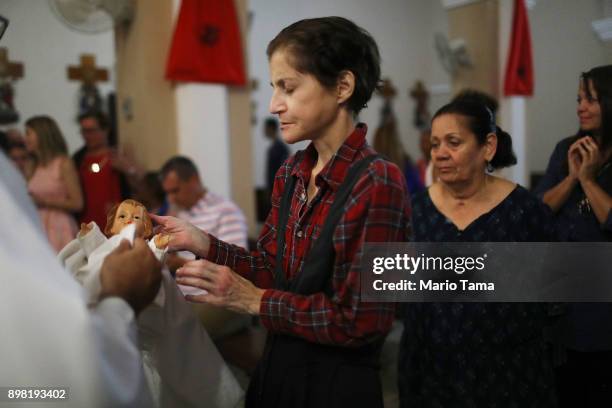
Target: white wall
{"type": "Point", "coordinates": [403, 30]}
{"type": "Point", "coordinates": [564, 45]}
{"type": "Point", "coordinates": [203, 129]}
{"type": "Point", "coordinates": [46, 47]}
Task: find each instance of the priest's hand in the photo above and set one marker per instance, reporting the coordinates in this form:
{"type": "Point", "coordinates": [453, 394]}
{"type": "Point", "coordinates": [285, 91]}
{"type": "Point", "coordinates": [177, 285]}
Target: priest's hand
{"type": "Point", "coordinates": [131, 273]}
{"type": "Point", "coordinates": [224, 286]}
{"type": "Point", "coordinates": [183, 235]}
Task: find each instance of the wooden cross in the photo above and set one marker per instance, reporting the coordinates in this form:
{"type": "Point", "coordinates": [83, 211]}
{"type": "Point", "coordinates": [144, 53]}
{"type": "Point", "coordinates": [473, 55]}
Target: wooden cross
{"type": "Point", "coordinates": [387, 90]}
{"type": "Point", "coordinates": [87, 72]}
{"type": "Point", "coordinates": [421, 113]}
{"type": "Point", "coordinates": [8, 69]}
{"type": "Point", "coordinates": [419, 93]}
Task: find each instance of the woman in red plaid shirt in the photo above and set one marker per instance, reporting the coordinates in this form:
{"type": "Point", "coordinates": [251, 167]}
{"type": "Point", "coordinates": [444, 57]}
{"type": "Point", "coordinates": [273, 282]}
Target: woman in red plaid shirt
{"type": "Point", "coordinates": [328, 200]}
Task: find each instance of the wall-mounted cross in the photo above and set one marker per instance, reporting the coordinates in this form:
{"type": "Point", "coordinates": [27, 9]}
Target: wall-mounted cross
{"type": "Point", "coordinates": [87, 72]}
{"type": "Point", "coordinates": [9, 69]}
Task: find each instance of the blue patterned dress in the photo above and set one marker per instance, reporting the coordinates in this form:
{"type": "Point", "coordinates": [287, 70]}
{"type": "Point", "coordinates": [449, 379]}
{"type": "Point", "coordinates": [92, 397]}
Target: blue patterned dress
{"type": "Point", "coordinates": [477, 354]}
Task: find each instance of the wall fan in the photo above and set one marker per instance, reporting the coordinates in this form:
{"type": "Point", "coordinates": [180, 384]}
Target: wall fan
{"type": "Point", "coordinates": [93, 16]}
{"type": "Point", "coordinates": [453, 54]}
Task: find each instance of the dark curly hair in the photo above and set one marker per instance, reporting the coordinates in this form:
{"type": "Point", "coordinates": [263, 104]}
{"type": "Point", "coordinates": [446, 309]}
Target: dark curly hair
{"type": "Point", "coordinates": [480, 120]}
{"type": "Point", "coordinates": [326, 46]}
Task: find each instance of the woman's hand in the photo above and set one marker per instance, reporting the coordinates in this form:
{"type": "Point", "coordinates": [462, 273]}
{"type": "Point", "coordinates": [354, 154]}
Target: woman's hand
{"type": "Point", "coordinates": [574, 159]}
{"type": "Point", "coordinates": [224, 286]}
{"type": "Point", "coordinates": [183, 235]}
{"type": "Point", "coordinates": [591, 159]}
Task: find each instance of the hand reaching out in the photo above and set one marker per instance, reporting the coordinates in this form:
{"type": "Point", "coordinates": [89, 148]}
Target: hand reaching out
{"type": "Point", "coordinates": [183, 235]}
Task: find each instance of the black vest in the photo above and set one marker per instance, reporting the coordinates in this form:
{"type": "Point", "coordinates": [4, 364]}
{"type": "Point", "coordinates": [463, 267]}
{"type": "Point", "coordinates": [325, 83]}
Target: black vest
{"type": "Point", "coordinates": [294, 372]}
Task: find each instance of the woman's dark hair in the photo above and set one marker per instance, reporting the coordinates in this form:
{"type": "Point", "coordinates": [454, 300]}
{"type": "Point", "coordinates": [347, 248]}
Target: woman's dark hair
{"type": "Point", "coordinates": [324, 47]}
{"type": "Point", "coordinates": [480, 120]}
{"type": "Point", "coordinates": [601, 78]}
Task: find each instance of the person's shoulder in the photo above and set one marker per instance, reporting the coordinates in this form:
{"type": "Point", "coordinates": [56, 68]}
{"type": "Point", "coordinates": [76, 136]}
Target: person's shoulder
{"type": "Point", "coordinates": [528, 200]}
{"type": "Point", "coordinates": [381, 170]}
{"type": "Point", "coordinates": [564, 144]}
{"type": "Point", "coordinates": [421, 197]}
{"type": "Point", "coordinates": [289, 163]}
{"type": "Point", "coordinates": [79, 155]}
{"type": "Point", "coordinates": [222, 204]}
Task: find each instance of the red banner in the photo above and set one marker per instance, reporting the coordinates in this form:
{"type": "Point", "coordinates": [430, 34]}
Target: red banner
{"type": "Point", "coordinates": [206, 45]}
{"type": "Point", "coordinates": [519, 71]}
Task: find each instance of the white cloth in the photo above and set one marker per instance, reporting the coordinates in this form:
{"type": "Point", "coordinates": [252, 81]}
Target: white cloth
{"type": "Point", "coordinates": [49, 337]}
{"type": "Point", "coordinates": [84, 255]}
{"type": "Point", "coordinates": [182, 366]}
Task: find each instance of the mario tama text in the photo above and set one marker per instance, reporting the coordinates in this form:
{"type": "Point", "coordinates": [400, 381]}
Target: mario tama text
{"type": "Point", "coordinates": [434, 286]}
{"type": "Point", "coordinates": [425, 273]}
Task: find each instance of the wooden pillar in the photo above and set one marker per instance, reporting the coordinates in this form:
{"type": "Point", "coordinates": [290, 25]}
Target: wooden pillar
{"type": "Point", "coordinates": [241, 152]}
{"type": "Point", "coordinates": [145, 100]}
{"type": "Point", "coordinates": [477, 23]}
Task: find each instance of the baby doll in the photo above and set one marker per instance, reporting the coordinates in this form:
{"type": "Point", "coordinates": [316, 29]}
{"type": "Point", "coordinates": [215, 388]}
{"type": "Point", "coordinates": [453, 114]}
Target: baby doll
{"type": "Point", "coordinates": [84, 255]}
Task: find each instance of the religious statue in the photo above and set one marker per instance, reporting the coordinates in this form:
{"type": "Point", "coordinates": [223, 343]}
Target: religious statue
{"type": "Point", "coordinates": [421, 111]}
{"type": "Point", "coordinates": [181, 364]}
{"type": "Point", "coordinates": [84, 255]}
{"type": "Point", "coordinates": [9, 72]}
{"type": "Point", "coordinates": [89, 99]}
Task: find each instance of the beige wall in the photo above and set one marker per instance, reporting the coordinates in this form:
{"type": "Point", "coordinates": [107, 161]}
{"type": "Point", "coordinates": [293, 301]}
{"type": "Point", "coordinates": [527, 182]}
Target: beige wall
{"type": "Point", "coordinates": [477, 24]}
{"type": "Point", "coordinates": [141, 61]}
{"type": "Point", "coordinates": [239, 101]}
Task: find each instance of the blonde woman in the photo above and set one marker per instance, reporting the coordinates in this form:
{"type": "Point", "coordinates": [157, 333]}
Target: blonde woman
{"type": "Point", "coordinates": [54, 186]}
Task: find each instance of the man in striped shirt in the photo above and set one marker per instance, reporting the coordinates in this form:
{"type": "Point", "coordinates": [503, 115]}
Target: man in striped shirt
{"type": "Point", "coordinates": [192, 202]}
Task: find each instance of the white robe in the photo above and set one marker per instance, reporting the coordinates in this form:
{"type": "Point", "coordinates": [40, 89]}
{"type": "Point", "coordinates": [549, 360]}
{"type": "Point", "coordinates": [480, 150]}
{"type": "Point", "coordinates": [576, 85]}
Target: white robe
{"type": "Point", "coordinates": [48, 336]}
{"type": "Point", "coordinates": [181, 363]}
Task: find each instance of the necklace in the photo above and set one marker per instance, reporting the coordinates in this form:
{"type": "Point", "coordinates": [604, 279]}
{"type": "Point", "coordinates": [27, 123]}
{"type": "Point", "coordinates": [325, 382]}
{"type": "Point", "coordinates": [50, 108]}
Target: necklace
{"type": "Point", "coordinates": [96, 167]}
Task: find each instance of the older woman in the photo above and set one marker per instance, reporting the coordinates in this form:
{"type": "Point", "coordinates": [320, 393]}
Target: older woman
{"type": "Point", "coordinates": [578, 188]}
{"type": "Point", "coordinates": [328, 200]}
{"type": "Point", "coordinates": [474, 354]}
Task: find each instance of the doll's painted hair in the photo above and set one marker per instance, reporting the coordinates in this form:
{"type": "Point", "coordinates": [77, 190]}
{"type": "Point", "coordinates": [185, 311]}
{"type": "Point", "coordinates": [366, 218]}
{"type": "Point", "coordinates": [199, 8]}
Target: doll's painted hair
{"type": "Point", "coordinates": [146, 220]}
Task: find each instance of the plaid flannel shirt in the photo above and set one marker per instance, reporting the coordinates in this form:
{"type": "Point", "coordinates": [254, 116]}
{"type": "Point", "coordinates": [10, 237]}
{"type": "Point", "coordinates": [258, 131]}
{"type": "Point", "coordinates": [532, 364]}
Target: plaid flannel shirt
{"type": "Point", "coordinates": [377, 210]}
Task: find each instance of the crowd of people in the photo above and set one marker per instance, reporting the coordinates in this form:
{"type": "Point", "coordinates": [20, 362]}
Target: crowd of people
{"type": "Point", "coordinates": [302, 280]}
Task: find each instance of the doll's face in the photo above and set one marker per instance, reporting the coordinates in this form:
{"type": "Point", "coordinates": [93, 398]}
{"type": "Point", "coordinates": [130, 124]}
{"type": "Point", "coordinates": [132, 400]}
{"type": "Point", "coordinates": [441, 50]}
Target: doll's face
{"type": "Point", "coordinates": [127, 214]}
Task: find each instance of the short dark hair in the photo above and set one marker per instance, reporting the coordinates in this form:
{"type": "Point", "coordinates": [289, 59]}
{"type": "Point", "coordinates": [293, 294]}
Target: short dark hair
{"type": "Point", "coordinates": [601, 77]}
{"type": "Point", "coordinates": [480, 120]}
{"type": "Point", "coordinates": [182, 166]}
{"type": "Point", "coordinates": [326, 46]}
{"type": "Point", "coordinates": [100, 118]}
